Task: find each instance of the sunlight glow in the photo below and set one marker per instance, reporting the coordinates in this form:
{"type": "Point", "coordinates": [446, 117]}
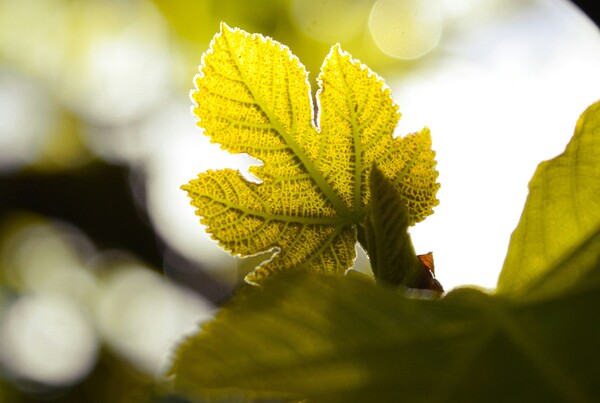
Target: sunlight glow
{"type": "Point", "coordinates": [177, 160]}
{"type": "Point", "coordinates": [496, 109]}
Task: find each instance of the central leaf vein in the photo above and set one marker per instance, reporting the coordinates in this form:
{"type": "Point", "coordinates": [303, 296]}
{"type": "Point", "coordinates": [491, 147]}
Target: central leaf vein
{"type": "Point", "coordinates": [294, 147]}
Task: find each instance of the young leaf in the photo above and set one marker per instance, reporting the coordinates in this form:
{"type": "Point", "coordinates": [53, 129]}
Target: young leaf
{"type": "Point", "coordinates": [391, 251]}
{"type": "Point", "coordinates": [557, 240]}
{"type": "Point", "coordinates": [252, 96]}
{"type": "Point", "coordinates": [342, 339]}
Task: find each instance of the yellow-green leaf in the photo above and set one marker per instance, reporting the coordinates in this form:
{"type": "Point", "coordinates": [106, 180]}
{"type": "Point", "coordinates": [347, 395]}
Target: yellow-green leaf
{"type": "Point", "coordinates": [252, 96]}
{"type": "Point", "coordinates": [557, 241]}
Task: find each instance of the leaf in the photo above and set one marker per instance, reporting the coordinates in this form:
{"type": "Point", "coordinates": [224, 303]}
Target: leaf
{"type": "Point", "coordinates": [252, 96]}
{"type": "Point", "coordinates": [557, 240]}
{"type": "Point", "coordinates": [391, 251]}
{"type": "Point", "coordinates": [341, 339]}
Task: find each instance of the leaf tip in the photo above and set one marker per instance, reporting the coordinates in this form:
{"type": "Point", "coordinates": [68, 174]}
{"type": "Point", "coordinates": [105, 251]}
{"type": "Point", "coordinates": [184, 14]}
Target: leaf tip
{"type": "Point", "coordinates": [224, 27]}
{"type": "Point", "coordinates": [337, 48]}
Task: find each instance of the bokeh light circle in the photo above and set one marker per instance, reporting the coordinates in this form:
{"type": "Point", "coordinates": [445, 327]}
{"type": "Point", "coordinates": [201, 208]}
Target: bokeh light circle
{"type": "Point", "coordinates": [406, 29]}
{"type": "Point", "coordinates": [46, 338]}
{"type": "Point", "coordinates": [142, 317]}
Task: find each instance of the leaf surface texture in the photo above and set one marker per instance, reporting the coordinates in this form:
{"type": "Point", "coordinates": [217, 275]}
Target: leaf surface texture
{"type": "Point", "coordinates": [252, 96]}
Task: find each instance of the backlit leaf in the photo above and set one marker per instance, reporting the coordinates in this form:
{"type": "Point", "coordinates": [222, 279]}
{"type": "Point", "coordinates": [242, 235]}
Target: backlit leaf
{"type": "Point", "coordinates": [252, 96]}
{"type": "Point", "coordinates": [557, 240]}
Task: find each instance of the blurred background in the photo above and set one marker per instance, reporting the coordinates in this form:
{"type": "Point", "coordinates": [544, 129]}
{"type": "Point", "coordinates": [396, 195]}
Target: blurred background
{"type": "Point", "coordinates": [103, 265]}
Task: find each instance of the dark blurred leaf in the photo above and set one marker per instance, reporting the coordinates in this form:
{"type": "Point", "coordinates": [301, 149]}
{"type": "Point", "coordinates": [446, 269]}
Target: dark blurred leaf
{"type": "Point", "coordinates": [343, 339]}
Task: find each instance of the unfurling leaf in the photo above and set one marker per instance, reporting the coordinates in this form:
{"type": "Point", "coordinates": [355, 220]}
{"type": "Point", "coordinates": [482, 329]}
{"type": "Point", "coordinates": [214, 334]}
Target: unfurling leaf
{"type": "Point", "coordinates": [392, 255]}
{"type": "Point", "coordinates": [252, 96]}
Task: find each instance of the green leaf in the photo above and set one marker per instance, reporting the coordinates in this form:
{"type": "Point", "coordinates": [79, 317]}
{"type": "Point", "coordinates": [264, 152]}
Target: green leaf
{"type": "Point", "coordinates": [341, 339]}
{"type": "Point", "coordinates": [252, 96]}
{"type": "Point", "coordinates": [389, 245]}
{"type": "Point", "coordinates": [557, 240]}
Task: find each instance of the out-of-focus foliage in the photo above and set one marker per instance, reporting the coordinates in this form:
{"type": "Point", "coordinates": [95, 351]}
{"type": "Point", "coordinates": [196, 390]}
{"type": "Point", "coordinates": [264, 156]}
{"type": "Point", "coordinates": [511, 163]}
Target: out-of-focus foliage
{"type": "Point", "coordinates": [307, 26]}
{"type": "Point", "coordinates": [332, 338]}
{"type": "Point", "coordinates": [198, 20]}
{"type": "Point", "coordinates": [253, 96]}
{"type": "Point", "coordinates": [73, 319]}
